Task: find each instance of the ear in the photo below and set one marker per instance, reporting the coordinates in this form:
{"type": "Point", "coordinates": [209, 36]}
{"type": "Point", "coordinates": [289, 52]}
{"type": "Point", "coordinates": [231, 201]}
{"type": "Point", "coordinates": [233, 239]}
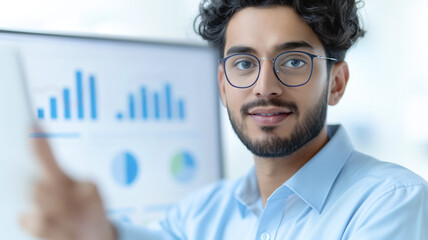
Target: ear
{"type": "Point", "coordinates": [221, 84]}
{"type": "Point", "coordinates": [339, 76]}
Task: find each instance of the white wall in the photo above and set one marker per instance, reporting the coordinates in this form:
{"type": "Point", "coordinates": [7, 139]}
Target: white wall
{"type": "Point", "coordinates": [385, 105]}
{"type": "Point", "coordinates": [148, 19]}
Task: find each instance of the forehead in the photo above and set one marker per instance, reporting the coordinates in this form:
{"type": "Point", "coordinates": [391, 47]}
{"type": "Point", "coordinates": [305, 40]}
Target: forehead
{"type": "Point", "coordinates": [262, 29]}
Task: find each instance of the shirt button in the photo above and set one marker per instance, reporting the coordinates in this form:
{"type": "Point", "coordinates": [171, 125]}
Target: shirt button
{"type": "Point", "coordinates": [265, 236]}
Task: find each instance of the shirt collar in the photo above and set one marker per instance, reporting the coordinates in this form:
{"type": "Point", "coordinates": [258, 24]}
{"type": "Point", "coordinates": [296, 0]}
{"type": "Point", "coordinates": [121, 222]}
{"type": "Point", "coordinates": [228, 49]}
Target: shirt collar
{"type": "Point", "coordinates": [247, 194]}
{"type": "Point", "coordinates": [312, 183]}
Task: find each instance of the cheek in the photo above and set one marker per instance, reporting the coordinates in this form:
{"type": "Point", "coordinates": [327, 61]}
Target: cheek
{"type": "Point", "coordinates": [316, 85]}
{"type": "Point", "coordinates": [319, 75]}
{"type": "Point", "coordinates": [235, 98]}
{"type": "Point", "coordinates": [308, 96]}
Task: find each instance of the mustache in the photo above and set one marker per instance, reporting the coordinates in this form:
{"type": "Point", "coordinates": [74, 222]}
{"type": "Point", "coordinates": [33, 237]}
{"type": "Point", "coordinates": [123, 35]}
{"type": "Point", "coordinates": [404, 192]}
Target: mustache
{"type": "Point", "coordinates": [271, 102]}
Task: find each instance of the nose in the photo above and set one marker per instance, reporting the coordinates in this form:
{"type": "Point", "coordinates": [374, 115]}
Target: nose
{"type": "Point", "coordinates": [267, 85]}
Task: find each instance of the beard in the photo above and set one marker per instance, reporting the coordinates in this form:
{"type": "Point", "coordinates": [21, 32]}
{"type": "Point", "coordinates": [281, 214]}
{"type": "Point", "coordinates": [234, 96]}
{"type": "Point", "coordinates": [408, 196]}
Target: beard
{"type": "Point", "coordinates": [273, 146]}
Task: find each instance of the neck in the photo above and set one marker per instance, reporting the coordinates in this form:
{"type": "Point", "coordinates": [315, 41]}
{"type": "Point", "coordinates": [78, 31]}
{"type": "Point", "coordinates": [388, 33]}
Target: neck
{"type": "Point", "coordinates": [273, 172]}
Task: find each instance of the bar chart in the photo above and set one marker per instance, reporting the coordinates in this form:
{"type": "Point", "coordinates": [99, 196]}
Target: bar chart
{"type": "Point", "coordinates": [65, 99]}
{"type": "Point", "coordinates": [144, 104]}
{"type": "Point", "coordinates": [134, 117]}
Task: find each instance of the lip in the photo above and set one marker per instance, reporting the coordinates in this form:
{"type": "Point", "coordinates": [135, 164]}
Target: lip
{"type": "Point", "coordinates": [269, 116]}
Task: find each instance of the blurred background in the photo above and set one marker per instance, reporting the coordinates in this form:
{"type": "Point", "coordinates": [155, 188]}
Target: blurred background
{"type": "Point", "coordinates": [385, 106]}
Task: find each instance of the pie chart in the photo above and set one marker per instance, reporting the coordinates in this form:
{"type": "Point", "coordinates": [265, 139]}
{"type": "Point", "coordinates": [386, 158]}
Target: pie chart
{"type": "Point", "coordinates": [125, 168]}
{"type": "Point", "coordinates": [183, 167]}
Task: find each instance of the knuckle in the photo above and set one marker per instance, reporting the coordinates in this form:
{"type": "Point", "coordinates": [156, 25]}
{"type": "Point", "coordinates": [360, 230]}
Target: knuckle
{"type": "Point", "coordinates": [89, 188]}
{"type": "Point", "coordinates": [92, 187]}
{"type": "Point", "coordinates": [87, 192]}
{"type": "Point", "coordinates": [40, 226]}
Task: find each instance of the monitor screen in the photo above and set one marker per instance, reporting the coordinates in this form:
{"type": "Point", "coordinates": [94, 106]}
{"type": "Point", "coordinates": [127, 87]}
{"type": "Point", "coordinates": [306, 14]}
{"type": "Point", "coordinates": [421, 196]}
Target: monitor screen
{"type": "Point", "coordinates": [140, 119]}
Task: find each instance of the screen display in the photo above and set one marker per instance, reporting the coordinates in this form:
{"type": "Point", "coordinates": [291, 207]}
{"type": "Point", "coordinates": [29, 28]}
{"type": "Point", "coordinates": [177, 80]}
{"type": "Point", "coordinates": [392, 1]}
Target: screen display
{"type": "Point", "coordinates": [139, 119]}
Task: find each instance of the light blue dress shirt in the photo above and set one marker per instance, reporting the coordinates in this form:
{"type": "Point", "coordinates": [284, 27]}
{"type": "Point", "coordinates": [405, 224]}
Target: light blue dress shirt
{"type": "Point", "coordinates": [339, 194]}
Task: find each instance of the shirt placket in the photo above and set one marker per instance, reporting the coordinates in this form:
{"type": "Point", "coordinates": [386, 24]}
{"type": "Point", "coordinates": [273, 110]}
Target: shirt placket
{"type": "Point", "coordinates": [272, 214]}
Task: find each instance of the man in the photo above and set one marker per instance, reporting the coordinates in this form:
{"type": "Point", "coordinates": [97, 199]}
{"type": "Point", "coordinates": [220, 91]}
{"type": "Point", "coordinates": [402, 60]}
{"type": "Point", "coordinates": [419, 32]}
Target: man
{"type": "Point", "coordinates": [282, 64]}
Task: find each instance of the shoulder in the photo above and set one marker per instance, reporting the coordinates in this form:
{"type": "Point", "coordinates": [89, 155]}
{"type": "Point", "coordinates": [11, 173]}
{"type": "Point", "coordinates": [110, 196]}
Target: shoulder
{"type": "Point", "coordinates": [390, 201]}
{"type": "Point", "coordinates": [211, 196]}
{"type": "Point", "coordinates": [198, 208]}
{"type": "Point", "coordinates": [364, 168]}
{"type": "Point", "coordinates": [373, 185]}
{"type": "Point", "coordinates": [206, 200]}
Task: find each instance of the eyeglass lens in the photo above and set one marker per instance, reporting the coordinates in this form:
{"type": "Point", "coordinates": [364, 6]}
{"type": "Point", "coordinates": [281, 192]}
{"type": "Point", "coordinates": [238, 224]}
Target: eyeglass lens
{"type": "Point", "coordinates": [292, 68]}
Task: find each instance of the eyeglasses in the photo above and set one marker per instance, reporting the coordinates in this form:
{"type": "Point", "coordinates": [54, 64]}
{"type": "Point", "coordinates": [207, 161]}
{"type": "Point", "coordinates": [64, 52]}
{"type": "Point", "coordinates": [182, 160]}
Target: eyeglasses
{"type": "Point", "coordinates": [292, 68]}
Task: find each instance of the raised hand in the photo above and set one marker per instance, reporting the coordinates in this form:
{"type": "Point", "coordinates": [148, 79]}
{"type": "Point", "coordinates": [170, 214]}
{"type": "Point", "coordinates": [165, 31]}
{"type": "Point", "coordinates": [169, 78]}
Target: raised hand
{"type": "Point", "coordinates": [65, 209]}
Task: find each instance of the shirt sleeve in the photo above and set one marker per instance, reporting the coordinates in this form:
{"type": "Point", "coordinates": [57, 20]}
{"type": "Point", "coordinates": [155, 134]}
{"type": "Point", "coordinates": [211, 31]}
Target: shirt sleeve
{"type": "Point", "coordinates": [401, 213]}
{"type": "Point", "coordinates": [169, 228]}
{"type": "Point", "coordinates": [130, 232]}
{"type": "Point", "coordinates": [177, 221]}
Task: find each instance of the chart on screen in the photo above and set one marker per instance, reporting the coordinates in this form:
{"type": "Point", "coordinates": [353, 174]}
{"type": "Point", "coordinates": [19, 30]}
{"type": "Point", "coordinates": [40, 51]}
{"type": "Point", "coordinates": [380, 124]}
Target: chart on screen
{"type": "Point", "coordinates": [139, 119]}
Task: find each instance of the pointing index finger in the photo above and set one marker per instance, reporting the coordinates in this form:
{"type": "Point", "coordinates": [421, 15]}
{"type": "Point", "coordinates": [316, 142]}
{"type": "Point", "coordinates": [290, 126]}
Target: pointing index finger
{"type": "Point", "coordinates": [50, 168]}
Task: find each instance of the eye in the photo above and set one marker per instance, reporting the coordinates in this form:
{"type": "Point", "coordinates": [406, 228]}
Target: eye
{"type": "Point", "coordinates": [243, 64]}
{"type": "Point", "coordinates": [294, 63]}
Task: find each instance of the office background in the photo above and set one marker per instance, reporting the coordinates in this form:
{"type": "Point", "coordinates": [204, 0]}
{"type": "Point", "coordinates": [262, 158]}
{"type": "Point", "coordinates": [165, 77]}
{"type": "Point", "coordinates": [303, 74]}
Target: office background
{"type": "Point", "coordinates": [384, 108]}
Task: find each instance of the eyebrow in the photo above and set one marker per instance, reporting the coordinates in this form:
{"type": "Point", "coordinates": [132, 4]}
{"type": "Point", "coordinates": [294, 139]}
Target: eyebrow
{"type": "Point", "coordinates": [240, 49]}
{"type": "Point", "coordinates": [278, 48]}
{"type": "Point", "coordinates": [293, 45]}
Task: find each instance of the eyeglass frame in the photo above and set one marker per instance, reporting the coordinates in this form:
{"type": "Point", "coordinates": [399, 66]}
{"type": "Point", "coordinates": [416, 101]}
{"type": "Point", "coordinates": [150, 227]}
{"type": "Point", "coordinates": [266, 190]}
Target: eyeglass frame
{"type": "Point", "coordinates": [312, 56]}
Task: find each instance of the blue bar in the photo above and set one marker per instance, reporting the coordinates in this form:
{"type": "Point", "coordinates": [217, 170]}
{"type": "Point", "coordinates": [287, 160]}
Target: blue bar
{"type": "Point", "coordinates": [54, 135]}
{"type": "Point", "coordinates": [67, 112]}
{"type": "Point", "coordinates": [144, 103]}
{"type": "Point", "coordinates": [40, 113]}
{"type": "Point", "coordinates": [157, 108]}
{"type": "Point", "coordinates": [54, 114]}
{"type": "Point", "coordinates": [93, 97]}
{"type": "Point", "coordinates": [168, 101]}
{"type": "Point", "coordinates": [181, 109]}
{"type": "Point", "coordinates": [79, 89]}
{"type": "Point", "coordinates": [131, 107]}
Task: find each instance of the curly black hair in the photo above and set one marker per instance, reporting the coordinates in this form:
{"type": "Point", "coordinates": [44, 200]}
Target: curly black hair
{"type": "Point", "coordinates": [335, 22]}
